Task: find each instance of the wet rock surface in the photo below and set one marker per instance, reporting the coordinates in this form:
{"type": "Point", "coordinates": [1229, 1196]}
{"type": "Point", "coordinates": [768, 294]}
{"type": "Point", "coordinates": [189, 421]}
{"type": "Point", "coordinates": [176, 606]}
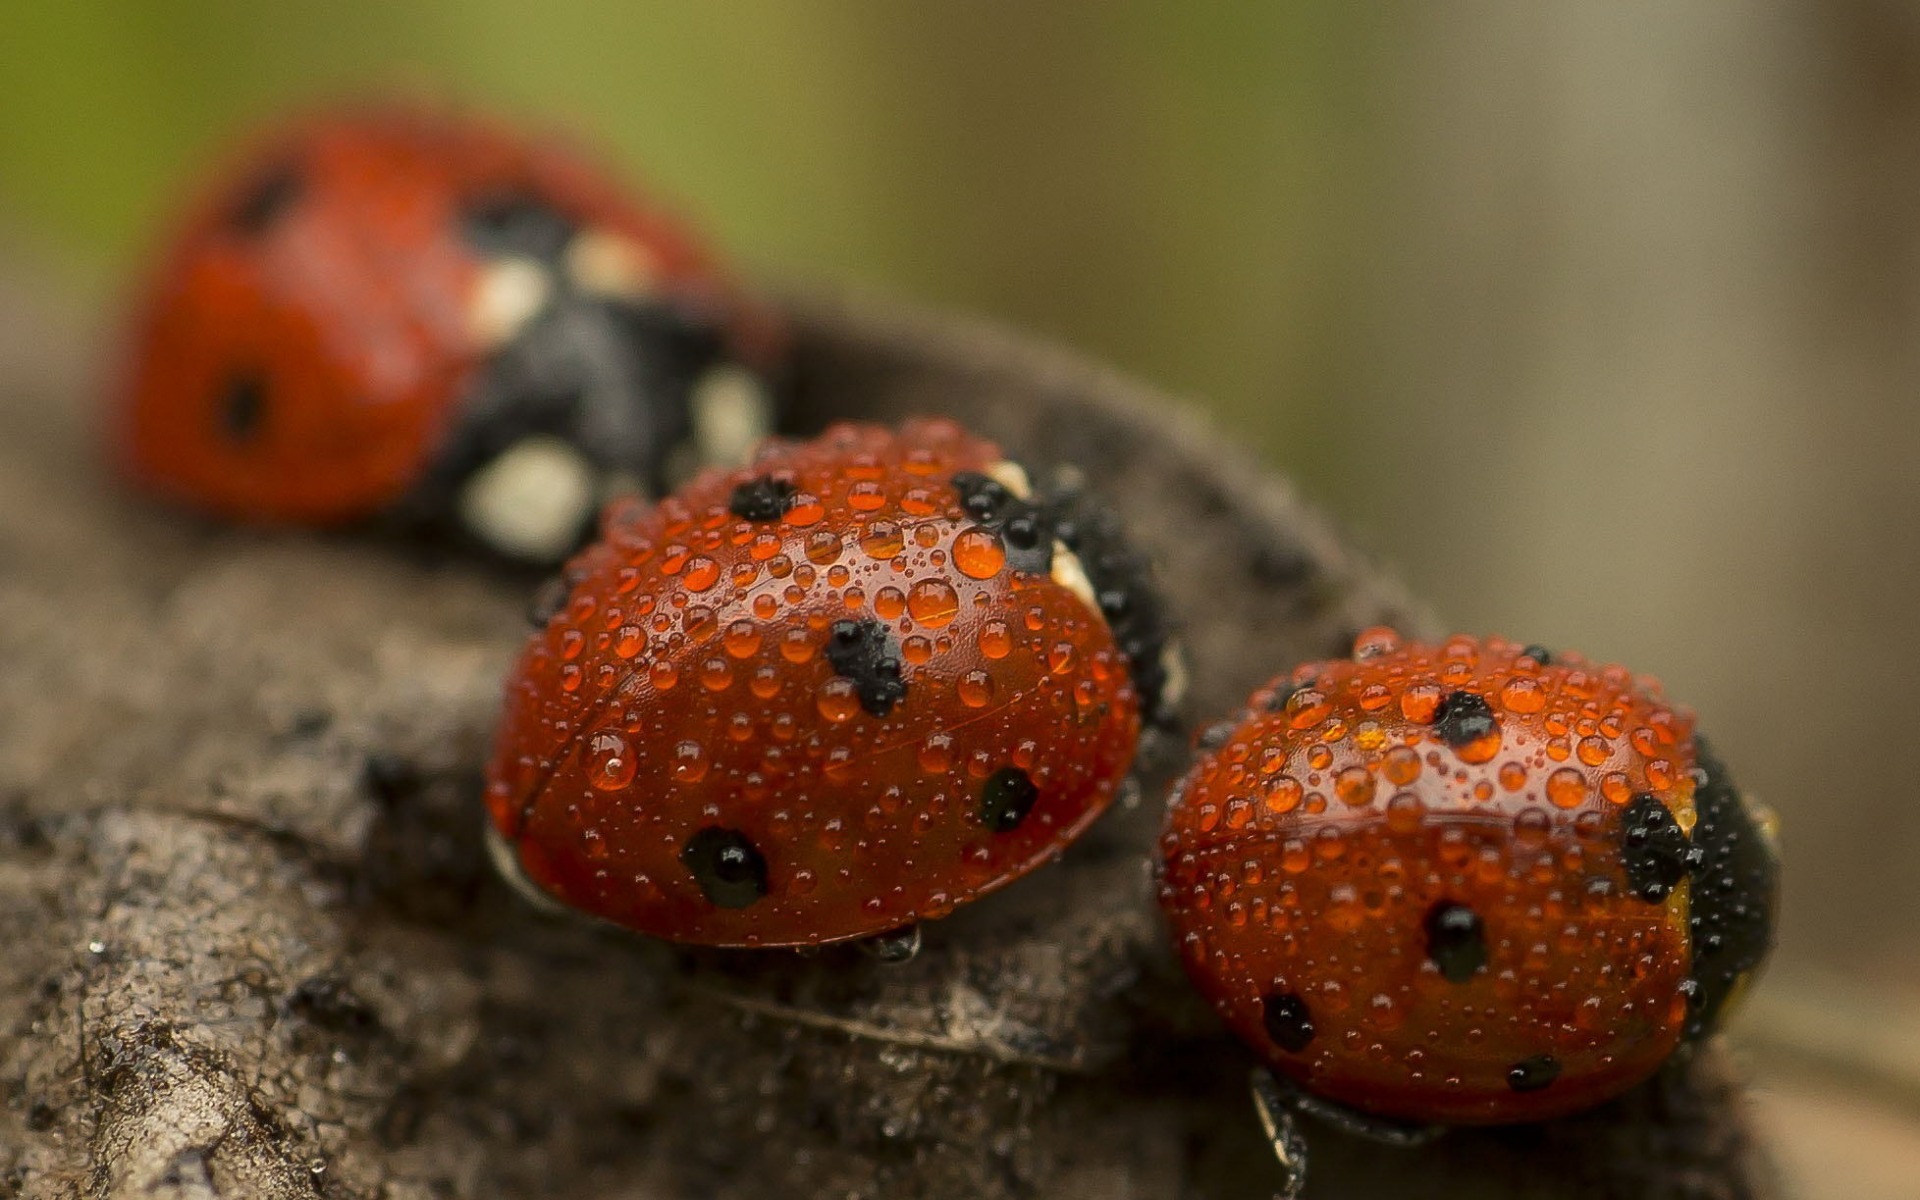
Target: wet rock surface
{"type": "Point", "coordinates": [254, 947]}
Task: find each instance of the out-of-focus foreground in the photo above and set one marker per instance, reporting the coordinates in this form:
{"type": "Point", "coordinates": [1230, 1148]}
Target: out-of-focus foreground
{"type": "Point", "coordinates": [1601, 322]}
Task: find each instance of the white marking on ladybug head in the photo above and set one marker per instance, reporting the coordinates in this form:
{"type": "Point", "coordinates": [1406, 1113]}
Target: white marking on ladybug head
{"type": "Point", "coordinates": [509, 293]}
{"type": "Point", "coordinates": [731, 415]}
{"type": "Point", "coordinates": [1069, 574]}
{"type": "Point", "coordinates": [607, 264]}
{"type": "Point", "coordinates": [506, 860]}
{"type": "Point", "coordinates": [1011, 476]}
{"type": "Point", "coordinates": [533, 500]}
{"type": "Point", "coordinates": [1173, 670]}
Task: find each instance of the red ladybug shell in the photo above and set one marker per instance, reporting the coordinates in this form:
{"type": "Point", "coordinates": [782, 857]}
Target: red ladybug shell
{"type": "Point", "coordinates": [1452, 883]}
{"type": "Point", "coordinates": [314, 327]}
{"type": "Point", "coordinates": [809, 700]}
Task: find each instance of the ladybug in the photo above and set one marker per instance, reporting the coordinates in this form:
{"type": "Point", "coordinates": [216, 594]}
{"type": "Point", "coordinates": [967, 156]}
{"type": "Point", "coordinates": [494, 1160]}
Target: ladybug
{"type": "Point", "coordinates": [1465, 883]}
{"type": "Point", "coordinates": [849, 687]}
{"type": "Point", "coordinates": [433, 320]}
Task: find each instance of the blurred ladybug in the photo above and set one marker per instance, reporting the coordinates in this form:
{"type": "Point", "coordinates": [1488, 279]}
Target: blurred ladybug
{"type": "Point", "coordinates": [1468, 883]}
{"type": "Point", "coordinates": [430, 319]}
{"type": "Point", "coordinates": [850, 687]}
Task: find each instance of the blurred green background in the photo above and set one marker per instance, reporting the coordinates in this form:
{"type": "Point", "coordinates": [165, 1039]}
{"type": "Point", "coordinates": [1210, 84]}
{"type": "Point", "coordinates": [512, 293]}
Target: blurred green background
{"type": "Point", "coordinates": [1162, 185]}
{"type": "Point", "coordinates": [1600, 322]}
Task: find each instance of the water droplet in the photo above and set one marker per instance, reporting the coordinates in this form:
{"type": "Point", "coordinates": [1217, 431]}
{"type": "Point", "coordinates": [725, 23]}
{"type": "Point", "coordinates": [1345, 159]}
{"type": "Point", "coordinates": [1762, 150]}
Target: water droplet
{"type": "Point", "coordinates": [889, 602]}
{"type": "Point", "coordinates": [1375, 642]}
{"type": "Point", "coordinates": [979, 554]}
{"type": "Point", "coordinates": [689, 762]}
{"type": "Point", "coordinates": [610, 761]}
{"type": "Point", "coordinates": [936, 754]}
{"type": "Point", "coordinates": [1401, 765]}
{"type": "Point", "coordinates": [933, 603]}
{"type": "Point", "coordinates": [1594, 750]}
{"type": "Point", "coordinates": [1660, 774]}
{"type": "Point", "coordinates": [1354, 786]}
{"type": "Point", "coordinates": [1060, 658]}
{"type": "Point", "coordinates": [1523, 694]}
{"type": "Point", "coordinates": [839, 700]}
{"type": "Point", "coordinates": [807, 510]}
{"type": "Point", "coordinates": [976, 689]}
{"type": "Point", "coordinates": [1405, 812]}
{"type": "Point", "coordinates": [996, 640]}
{"type": "Point", "coordinates": [1531, 826]}
{"type": "Point", "coordinates": [796, 645]}
{"type": "Point", "coordinates": [883, 540]}
{"type": "Point", "coordinates": [1420, 702]}
{"type": "Point", "coordinates": [742, 639]}
{"type": "Point", "coordinates": [1283, 795]}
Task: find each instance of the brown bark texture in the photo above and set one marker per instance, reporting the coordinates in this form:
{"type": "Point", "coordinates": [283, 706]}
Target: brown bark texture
{"type": "Point", "coordinates": [253, 948]}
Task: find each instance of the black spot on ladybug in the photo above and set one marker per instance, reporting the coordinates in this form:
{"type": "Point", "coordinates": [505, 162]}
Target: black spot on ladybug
{"type": "Point", "coordinates": [865, 651]}
{"type": "Point", "coordinates": [1463, 718]}
{"type": "Point", "coordinates": [242, 406]}
{"type": "Point", "coordinates": [727, 866]}
{"type": "Point", "coordinates": [1734, 894]}
{"type": "Point", "coordinates": [1023, 531]}
{"type": "Point", "coordinates": [762, 499]}
{"type": "Point", "coordinates": [1539, 654]}
{"type": "Point", "coordinates": [984, 499]}
{"type": "Point", "coordinates": [1006, 798]}
{"type": "Point", "coordinates": [1532, 1074]}
{"type": "Point", "coordinates": [1655, 849]}
{"type": "Point", "coordinates": [267, 197]}
{"type": "Point", "coordinates": [1456, 941]}
{"type": "Point", "coordinates": [514, 224]}
{"type": "Point", "coordinates": [1287, 1020]}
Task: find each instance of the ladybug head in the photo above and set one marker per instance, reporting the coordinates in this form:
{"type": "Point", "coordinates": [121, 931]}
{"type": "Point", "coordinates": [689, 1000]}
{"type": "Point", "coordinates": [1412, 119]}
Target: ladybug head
{"type": "Point", "coordinates": [427, 320]}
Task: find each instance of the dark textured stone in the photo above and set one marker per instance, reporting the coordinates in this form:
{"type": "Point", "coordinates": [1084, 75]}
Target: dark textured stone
{"type": "Point", "coordinates": [194, 866]}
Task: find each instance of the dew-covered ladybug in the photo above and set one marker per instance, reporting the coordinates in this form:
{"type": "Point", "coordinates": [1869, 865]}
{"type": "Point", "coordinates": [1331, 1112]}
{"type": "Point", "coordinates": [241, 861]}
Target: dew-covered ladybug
{"type": "Point", "coordinates": [847, 688]}
{"type": "Point", "coordinates": [1465, 883]}
{"type": "Point", "coordinates": [431, 319]}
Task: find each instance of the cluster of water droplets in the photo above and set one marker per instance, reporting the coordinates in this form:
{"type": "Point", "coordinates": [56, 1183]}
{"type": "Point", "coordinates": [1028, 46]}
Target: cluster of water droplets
{"type": "Point", "coordinates": [687, 679]}
{"type": "Point", "coordinates": [1308, 851]}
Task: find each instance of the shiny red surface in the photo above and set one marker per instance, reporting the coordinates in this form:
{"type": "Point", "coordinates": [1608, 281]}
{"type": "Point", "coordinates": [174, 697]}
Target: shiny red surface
{"type": "Point", "coordinates": [352, 304]}
{"type": "Point", "coordinates": [1304, 855]}
{"type": "Point", "coordinates": [685, 685]}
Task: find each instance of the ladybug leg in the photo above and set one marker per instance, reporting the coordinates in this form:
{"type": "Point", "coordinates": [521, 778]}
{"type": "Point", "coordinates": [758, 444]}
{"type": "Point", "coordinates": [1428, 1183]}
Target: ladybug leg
{"type": "Point", "coordinates": [1383, 1130]}
{"type": "Point", "coordinates": [1276, 1111]}
{"type": "Point", "coordinates": [895, 946]}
